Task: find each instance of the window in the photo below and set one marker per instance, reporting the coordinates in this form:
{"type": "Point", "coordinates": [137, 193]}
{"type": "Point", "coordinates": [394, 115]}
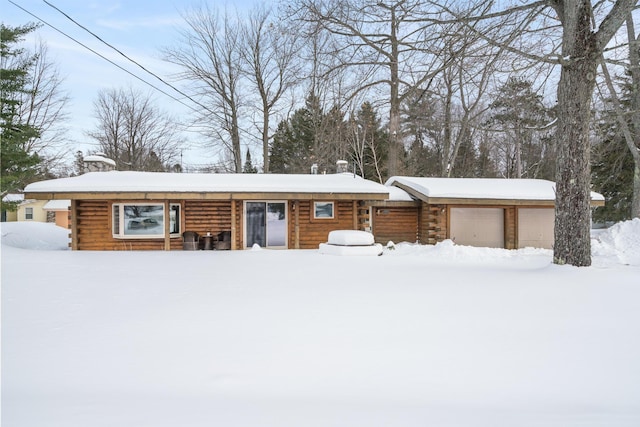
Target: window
{"type": "Point", "coordinates": [323, 210]}
{"type": "Point", "coordinates": [135, 220]}
{"type": "Point", "coordinates": [28, 213]}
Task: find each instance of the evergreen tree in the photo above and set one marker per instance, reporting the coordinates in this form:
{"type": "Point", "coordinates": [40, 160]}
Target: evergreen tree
{"type": "Point", "coordinates": [612, 165]}
{"type": "Point", "coordinates": [293, 141]}
{"type": "Point", "coordinates": [18, 166]}
{"type": "Point", "coordinates": [612, 175]}
{"type": "Point", "coordinates": [423, 125]}
{"type": "Point", "coordinates": [78, 163]}
{"type": "Point", "coordinates": [521, 114]}
{"type": "Point", "coordinates": [248, 165]}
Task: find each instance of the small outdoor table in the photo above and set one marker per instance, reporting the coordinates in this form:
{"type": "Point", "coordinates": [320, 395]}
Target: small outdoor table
{"type": "Point", "coordinates": [207, 242]}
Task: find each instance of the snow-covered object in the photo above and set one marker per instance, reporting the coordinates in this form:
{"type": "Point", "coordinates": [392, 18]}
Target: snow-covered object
{"type": "Point", "coordinates": [620, 242]}
{"type": "Point", "coordinates": [350, 242]}
{"type": "Point", "coordinates": [350, 238]}
{"type": "Point", "coordinates": [35, 235]}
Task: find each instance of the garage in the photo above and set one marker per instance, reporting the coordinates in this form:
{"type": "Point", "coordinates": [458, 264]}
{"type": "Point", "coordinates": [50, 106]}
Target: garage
{"type": "Point", "coordinates": [484, 212]}
{"type": "Point", "coordinates": [535, 228]}
{"type": "Point", "coordinates": [483, 227]}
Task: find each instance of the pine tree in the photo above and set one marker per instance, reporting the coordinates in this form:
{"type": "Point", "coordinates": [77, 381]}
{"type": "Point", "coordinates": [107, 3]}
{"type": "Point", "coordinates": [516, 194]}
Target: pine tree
{"type": "Point", "coordinates": [293, 141]}
{"type": "Point", "coordinates": [612, 165]}
{"type": "Point", "coordinates": [248, 165]}
{"type": "Point", "coordinates": [18, 167]}
{"type": "Point", "coordinates": [519, 111]}
{"type": "Point", "coordinates": [78, 163]}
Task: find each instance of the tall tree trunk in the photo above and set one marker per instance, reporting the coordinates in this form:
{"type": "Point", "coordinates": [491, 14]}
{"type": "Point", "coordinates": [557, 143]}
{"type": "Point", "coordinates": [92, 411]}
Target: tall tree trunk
{"type": "Point", "coordinates": [265, 138]}
{"type": "Point", "coordinates": [634, 145]}
{"type": "Point", "coordinates": [446, 160]}
{"type": "Point", "coordinates": [235, 143]}
{"type": "Point", "coordinates": [573, 172]}
{"type": "Point", "coordinates": [396, 149]}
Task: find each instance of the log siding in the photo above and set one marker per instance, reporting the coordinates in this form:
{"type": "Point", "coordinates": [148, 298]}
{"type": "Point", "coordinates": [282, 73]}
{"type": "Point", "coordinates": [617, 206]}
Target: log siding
{"type": "Point", "coordinates": [92, 223]}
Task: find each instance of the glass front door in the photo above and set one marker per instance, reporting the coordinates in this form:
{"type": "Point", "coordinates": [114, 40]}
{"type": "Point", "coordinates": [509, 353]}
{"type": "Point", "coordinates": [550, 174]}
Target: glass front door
{"type": "Point", "coordinates": [266, 224]}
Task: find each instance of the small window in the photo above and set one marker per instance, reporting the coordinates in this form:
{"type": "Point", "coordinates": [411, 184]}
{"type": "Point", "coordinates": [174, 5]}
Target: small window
{"type": "Point", "coordinates": [174, 218]}
{"type": "Point", "coordinates": [28, 213]}
{"type": "Point", "coordinates": [323, 210]}
{"type": "Point", "coordinates": [116, 220]}
{"type": "Point", "coordinates": [144, 220]}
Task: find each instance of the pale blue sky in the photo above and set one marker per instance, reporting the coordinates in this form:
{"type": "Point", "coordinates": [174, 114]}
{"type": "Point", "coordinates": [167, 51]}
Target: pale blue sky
{"type": "Point", "coordinates": [137, 28]}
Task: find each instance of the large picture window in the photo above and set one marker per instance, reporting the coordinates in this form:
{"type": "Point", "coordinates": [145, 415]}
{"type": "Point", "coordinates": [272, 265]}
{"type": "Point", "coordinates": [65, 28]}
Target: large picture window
{"type": "Point", "coordinates": [144, 220]}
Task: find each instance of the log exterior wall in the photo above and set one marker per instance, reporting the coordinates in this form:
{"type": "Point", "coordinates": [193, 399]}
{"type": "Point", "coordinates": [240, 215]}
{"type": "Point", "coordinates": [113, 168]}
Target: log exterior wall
{"type": "Point", "coordinates": [510, 228]}
{"type": "Point", "coordinates": [311, 232]}
{"type": "Point", "coordinates": [92, 230]}
{"type": "Point", "coordinates": [433, 223]}
{"type": "Point", "coordinates": [207, 216]}
{"type": "Point", "coordinates": [428, 224]}
{"type": "Point", "coordinates": [92, 223]}
{"type": "Point", "coordinates": [395, 224]}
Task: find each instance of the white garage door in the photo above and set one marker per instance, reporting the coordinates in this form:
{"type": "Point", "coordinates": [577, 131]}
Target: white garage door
{"type": "Point", "coordinates": [535, 228]}
{"type": "Point", "coordinates": [482, 227]}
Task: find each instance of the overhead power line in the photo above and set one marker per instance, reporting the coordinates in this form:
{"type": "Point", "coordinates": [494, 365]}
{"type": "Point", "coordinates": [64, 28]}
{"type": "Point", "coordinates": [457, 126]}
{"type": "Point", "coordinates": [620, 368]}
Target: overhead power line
{"type": "Point", "coordinates": [115, 64]}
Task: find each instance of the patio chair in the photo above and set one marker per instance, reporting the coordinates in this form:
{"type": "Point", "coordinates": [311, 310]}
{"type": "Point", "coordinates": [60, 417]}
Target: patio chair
{"type": "Point", "coordinates": [190, 241]}
{"type": "Point", "coordinates": [224, 240]}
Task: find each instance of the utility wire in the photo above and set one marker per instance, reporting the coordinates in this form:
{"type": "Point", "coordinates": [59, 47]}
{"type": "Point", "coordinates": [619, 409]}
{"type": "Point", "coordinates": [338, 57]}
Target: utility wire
{"type": "Point", "coordinates": [113, 63]}
{"type": "Point", "coordinates": [129, 59]}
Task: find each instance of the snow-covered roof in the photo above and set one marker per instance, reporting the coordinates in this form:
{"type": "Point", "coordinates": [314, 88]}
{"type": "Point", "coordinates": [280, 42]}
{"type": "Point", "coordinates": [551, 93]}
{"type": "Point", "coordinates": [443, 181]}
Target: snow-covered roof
{"type": "Point", "coordinates": [480, 188]}
{"type": "Point", "coordinates": [99, 158]}
{"type": "Point", "coordinates": [13, 197]}
{"type": "Point", "coordinates": [150, 182]}
{"type": "Point", "coordinates": [57, 205]}
{"type": "Point", "coordinates": [399, 195]}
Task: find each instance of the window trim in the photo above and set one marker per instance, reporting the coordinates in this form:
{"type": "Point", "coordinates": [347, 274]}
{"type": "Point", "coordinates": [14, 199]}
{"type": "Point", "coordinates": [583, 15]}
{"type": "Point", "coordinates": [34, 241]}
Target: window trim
{"type": "Point", "coordinates": [28, 214]}
{"type": "Point", "coordinates": [324, 218]}
{"type": "Point", "coordinates": [118, 220]}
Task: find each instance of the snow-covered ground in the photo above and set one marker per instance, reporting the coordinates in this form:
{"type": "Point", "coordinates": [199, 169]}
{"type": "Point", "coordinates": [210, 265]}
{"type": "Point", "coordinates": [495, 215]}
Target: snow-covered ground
{"type": "Point", "coordinates": [439, 335]}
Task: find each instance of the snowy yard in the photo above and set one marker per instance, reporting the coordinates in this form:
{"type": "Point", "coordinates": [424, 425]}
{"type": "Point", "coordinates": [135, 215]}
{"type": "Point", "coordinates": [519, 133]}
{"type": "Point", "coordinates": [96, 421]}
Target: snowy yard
{"type": "Point", "coordinates": [437, 336]}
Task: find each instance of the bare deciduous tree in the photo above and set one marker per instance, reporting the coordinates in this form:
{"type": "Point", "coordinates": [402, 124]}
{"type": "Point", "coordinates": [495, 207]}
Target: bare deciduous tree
{"type": "Point", "coordinates": [270, 55]}
{"type": "Point", "coordinates": [585, 31]}
{"type": "Point", "coordinates": [387, 44]}
{"type": "Point", "coordinates": [133, 132]}
{"type": "Point", "coordinates": [582, 48]}
{"type": "Point", "coordinates": [210, 57]}
{"type": "Point", "coordinates": [43, 106]}
{"type": "Point", "coordinates": [634, 142]}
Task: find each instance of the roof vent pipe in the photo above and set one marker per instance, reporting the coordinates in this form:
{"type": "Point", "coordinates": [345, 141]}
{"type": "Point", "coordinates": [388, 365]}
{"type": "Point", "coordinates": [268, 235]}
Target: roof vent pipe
{"type": "Point", "coordinates": [342, 166]}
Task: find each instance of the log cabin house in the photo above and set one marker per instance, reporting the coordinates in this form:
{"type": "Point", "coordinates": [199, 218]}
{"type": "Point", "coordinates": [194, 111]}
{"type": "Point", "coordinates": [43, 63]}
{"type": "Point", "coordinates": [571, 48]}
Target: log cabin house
{"type": "Point", "coordinates": [486, 212]}
{"type": "Point", "coordinates": [151, 211]}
